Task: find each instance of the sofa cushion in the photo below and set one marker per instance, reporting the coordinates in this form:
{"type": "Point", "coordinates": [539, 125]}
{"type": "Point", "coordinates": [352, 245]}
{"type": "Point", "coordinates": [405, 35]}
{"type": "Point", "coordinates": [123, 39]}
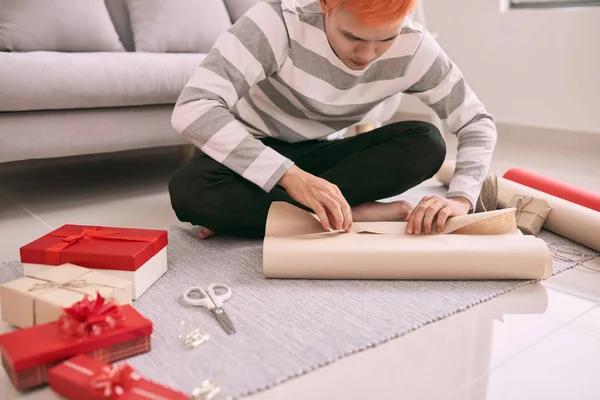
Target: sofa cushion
{"type": "Point", "coordinates": [57, 25]}
{"type": "Point", "coordinates": [64, 133]}
{"type": "Point", "coordinates": [237, 8]}
{"type": "Point", "coordinates": [52, 80]}
{"type": "Point", "coordinates": [177, 26]}
{"type": "Point", "coordinates": [120, 18]}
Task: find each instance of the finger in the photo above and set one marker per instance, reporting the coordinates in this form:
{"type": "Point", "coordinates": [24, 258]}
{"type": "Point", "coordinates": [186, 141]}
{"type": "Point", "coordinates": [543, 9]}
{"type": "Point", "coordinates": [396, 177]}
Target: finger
{"type": "Point", "coordinates": [425, 217]}
{"type": "Point", "coordinates": [346, 212]}
{"type": "Point", "coordinates": [430, 212]}
{"type": "Point", "coordinates": [410, 220]}
{"type": "Point", "coordinates": [320, 211]}
{"type": "Point", "coordinates": [425, 199]}
{"type": "Point", "coordinates": [419, 215]}
{"type": "Point", "coordinates": [417, 221]}
{"type": "Point", "coordinates": [345, 208]}
{"type": "Point", "coordinates": [442, 218]}
{"type": "Point", "coordinates": [335, 211]}
{"type": "Point", "coordinates": [411, 217]}
{"type": "Point", "coordinates": [330, 218]}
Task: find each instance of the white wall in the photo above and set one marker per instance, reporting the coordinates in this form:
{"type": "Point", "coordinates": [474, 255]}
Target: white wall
{"type": "Point", "coordinates": [534, 67]}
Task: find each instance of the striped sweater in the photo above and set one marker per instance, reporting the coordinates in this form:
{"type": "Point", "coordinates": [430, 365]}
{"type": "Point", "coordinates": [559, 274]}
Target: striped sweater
{"type": "Point", "coordinates": [273, 73]}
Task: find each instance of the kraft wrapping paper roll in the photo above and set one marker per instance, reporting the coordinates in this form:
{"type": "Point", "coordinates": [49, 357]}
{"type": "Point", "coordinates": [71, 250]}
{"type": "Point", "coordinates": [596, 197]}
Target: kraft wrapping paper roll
{"type": "Point", "coordinates": [478, 246]}
{"type": "Point", "coordinates": [585, 198]}
{"type": "Point", "coordinates": [575, 222]}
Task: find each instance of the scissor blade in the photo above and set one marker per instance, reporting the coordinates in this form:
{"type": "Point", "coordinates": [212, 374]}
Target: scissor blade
{"type": "Point", "coordinates": [224, 320]}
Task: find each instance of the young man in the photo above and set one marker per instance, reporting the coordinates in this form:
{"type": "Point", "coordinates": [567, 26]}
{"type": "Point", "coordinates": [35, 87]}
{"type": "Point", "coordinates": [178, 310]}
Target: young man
{"type": "Point", "coordinates": [288, 75]}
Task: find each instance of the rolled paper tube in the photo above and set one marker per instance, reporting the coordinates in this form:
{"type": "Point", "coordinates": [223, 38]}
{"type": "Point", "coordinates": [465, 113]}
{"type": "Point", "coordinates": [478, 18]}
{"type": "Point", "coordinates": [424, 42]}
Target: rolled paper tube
{"type": "Point", "coordinates": [487, 248]}
{"type": "Point", "coordinates": [574, 194]}
{"type": "Point", "coordinates": [566, 218]}
{"type": "Point", "coordinates": [440, 257]}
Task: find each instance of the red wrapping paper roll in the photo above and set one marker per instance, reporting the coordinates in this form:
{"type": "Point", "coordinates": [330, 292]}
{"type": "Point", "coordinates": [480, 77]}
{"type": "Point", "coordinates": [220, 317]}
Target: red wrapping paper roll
{"type": "Point", "coordinates": [583, 197]}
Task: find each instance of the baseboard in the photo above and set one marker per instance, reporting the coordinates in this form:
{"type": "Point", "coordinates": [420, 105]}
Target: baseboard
{"type": "Point", "coordinates": [528, 135]}
{"type": "Point", "coordinates": [549, 137]}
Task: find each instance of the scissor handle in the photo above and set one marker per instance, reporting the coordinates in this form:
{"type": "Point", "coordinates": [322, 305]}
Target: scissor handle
{"type": "Point", "coordinates": [219, 299]}
{"type": "Point", "coordinates": [203, 301]}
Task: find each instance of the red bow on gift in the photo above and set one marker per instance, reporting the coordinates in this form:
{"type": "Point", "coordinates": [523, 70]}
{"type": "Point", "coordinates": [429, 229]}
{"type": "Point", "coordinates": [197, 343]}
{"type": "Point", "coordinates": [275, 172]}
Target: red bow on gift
{"type": "Point", "coordinates": [113, 380]}
{"type": "Point", "coordinates": [90, 317]}
{"type": "Point", "coordinates": [86, 235]}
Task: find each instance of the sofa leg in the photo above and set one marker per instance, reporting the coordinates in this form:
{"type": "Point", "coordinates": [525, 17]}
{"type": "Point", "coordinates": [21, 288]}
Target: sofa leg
{"type": "Point", "coordinates": [186, 152]}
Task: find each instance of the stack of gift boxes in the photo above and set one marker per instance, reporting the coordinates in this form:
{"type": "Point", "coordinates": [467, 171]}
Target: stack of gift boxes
{"type": "Point", "coordinates": [73, 316]}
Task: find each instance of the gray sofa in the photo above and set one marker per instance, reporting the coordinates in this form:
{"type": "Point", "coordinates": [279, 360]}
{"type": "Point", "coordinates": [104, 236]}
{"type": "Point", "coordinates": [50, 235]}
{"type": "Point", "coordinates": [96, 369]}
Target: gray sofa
{"type": "Point", "coordinates": [57, 104]}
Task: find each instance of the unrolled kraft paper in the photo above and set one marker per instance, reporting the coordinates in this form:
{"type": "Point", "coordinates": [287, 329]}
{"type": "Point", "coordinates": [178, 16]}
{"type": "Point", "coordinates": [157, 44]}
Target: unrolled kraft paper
{"type": "Point", "coordinates": [477, 246]}
{"type": "Point", "coordinates": [570, 220]}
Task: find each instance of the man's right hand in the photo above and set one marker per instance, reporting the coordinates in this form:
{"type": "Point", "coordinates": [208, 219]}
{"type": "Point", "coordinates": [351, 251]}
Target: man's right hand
{"type": "Point", "coordinates": [321, 196]}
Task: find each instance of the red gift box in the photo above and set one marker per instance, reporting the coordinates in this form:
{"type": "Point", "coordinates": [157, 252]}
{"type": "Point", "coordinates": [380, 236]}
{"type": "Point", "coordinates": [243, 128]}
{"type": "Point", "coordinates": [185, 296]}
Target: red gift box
{"type": "Point", "coordinates": [99, 328]}
{"type": "Point", "coordinates": [84, 378]}
{"type": "Point", "coordinates": [96, 247]}
{"type": "Point", "coordinates": [138, 255]}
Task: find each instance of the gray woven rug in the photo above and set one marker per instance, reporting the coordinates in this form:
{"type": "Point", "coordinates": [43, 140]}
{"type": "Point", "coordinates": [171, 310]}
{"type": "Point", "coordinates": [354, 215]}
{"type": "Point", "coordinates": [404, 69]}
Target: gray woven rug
{"type": "Point", "coordinates": [284, 327]}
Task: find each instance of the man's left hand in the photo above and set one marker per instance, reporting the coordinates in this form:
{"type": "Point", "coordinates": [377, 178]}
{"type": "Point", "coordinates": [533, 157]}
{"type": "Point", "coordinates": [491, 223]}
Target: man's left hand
{"type": "Point", "coordinates": [430, 208]}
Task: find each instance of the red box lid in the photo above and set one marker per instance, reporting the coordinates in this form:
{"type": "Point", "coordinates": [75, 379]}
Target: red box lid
{"type": "Point", "coordinates": [100, 247]}
{"type": "Point", "coordinates": [42, 344]}
{"type": "Point", "coordinates": [73, 376]}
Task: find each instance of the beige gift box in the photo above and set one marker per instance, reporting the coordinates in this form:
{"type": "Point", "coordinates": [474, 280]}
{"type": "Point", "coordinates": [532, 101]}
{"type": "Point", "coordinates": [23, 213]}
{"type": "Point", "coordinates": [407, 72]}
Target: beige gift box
{"type": "Point", "coordinates": [39, 298]}
{"type": "Point", "coordinates": [531, 213]}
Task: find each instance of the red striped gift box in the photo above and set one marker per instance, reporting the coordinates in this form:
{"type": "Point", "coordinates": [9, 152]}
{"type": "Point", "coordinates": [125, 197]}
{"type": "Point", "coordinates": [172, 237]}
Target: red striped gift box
{"type": "Point", "coordinates": [100, 329]}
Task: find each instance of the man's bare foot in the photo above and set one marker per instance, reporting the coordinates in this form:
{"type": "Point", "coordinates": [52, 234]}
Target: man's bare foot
{"type": "Point", "coordinates": [205, 233]}
{"type": "Point", "coordinates": [371, 212]}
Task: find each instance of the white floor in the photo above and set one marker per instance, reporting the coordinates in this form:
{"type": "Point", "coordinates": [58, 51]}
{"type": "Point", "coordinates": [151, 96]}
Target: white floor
{"type": "Point", "coordinates": [539, 342]}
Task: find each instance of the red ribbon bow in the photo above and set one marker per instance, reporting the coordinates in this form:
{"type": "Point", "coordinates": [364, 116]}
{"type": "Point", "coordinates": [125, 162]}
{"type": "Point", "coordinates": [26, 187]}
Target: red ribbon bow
{"type": "Point", "coordinates": [90, 317]}
{"type": "Point", "coordinates": [86, 236]}
{"type": "Point", "coordinates": [113, 380]}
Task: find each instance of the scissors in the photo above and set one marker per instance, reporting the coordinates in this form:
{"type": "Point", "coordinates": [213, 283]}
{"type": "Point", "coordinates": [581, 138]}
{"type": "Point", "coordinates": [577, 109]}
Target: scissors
{"type": "Point", "coordinates": [212, 301]}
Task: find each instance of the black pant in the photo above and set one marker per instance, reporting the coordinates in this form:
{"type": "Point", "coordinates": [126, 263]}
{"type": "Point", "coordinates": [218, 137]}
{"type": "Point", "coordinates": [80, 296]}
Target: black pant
{"type": "Point", "coordinates": [371, 166]}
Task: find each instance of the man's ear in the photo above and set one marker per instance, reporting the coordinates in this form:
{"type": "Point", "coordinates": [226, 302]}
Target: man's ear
{"type": "Point", "coordinates": [323, 6]}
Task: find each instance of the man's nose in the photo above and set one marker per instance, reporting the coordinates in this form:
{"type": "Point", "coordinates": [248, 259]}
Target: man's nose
{"type": "Point", "coordinates": [365, 52]}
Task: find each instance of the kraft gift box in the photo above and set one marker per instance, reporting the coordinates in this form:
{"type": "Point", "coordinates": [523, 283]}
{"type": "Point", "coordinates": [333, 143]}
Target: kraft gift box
{"type": "Point", "coordinates": [84, 378]}
{"type": "Point", "coordinates": [138, 255]}
{"type": "Point", "coordinates": [531, 213]}
{"type": "Point", "coordinates": [39, 298]}
{"type": "Point", "coordinates": [98, 328]}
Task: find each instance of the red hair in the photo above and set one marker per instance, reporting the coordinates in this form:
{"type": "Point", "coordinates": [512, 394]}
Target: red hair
{"type": "Point", "coordinates": [373, 12]}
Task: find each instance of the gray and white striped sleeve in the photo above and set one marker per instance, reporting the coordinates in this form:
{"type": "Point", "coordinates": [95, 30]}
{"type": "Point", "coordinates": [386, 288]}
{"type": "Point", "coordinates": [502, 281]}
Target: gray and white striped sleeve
{"type": "Point", "coordinates": [251, 50]}
{"type": "Point", "coordinates": [439, 83]}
